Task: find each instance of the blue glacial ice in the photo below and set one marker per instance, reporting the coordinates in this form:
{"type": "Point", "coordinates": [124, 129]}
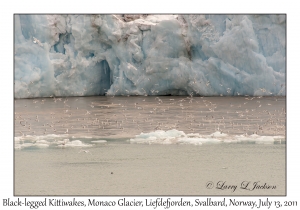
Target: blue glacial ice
{"type": "Point", "coordinates": [209, 55]}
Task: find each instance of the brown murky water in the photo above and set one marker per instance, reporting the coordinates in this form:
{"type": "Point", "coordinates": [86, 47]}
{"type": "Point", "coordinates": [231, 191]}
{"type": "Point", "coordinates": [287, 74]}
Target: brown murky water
{"type": "Point", "coordinates": [81, 146]}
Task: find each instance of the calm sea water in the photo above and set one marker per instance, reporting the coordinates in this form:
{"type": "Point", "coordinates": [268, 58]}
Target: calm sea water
{"type": "Point", "coordinates": [150, 146]}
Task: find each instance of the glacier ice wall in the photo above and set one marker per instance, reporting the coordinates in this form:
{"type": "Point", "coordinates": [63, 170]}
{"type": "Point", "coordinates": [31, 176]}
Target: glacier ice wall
{"type": "Point", "coordinates": [210, 55]}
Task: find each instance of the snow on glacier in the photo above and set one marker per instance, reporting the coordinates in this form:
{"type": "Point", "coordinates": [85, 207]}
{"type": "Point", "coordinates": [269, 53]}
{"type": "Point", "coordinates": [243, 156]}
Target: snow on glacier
{"type": "Point", "coordinates": [81, 55]}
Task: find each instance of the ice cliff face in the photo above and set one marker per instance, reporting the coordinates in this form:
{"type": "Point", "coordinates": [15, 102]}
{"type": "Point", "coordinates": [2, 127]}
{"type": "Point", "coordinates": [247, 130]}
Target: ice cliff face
{"type": "Point", "coordinates": [81, 55]}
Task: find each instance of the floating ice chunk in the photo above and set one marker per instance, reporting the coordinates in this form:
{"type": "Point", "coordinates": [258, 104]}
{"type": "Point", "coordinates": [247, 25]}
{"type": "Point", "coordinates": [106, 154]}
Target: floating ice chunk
{"type": "Point", "coordinates": [179, 137]}
{"type": "Point", "coordinates": [265, 140]}
{"type": "Point", "coordinates": [18, 138]}
{"type": "Point", "coordinates": [40, 145]}
{"type": "Point", "coordinates": [75, 143]}
{"type": "Point", "coordinates": [24, 145]}
{"type": "Point", "coordinates": [99, 141]}
{"type": "Point", "coordinates": [43, 142]}
{"type": "Point", "coordinates": [218, 134]}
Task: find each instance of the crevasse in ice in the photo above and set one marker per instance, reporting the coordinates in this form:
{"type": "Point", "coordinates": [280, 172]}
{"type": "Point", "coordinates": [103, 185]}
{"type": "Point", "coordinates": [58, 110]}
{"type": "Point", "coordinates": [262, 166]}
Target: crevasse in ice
{"type": "Point", "coordinates": [209, 55]}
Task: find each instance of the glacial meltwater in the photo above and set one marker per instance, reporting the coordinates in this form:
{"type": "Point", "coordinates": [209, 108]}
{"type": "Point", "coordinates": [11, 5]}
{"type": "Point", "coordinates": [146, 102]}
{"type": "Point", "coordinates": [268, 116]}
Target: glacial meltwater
{"type": "Point", "coordinates": [154, 145]}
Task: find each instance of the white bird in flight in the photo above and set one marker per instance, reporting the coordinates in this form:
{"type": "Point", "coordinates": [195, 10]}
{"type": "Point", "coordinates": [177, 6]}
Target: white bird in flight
{"type": "Point", "coordinates": [85, 151]}
{"type": "Point", "coordinates": [36, 41]}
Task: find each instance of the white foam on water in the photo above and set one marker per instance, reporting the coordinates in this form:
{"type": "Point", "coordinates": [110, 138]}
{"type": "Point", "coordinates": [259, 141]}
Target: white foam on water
{"type": "Point", "coordinates": [179, 137]}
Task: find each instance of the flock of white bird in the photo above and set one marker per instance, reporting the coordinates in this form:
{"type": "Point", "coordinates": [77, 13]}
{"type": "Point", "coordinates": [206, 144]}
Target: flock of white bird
{"type": "Point", "coordinates": [129, 116]}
